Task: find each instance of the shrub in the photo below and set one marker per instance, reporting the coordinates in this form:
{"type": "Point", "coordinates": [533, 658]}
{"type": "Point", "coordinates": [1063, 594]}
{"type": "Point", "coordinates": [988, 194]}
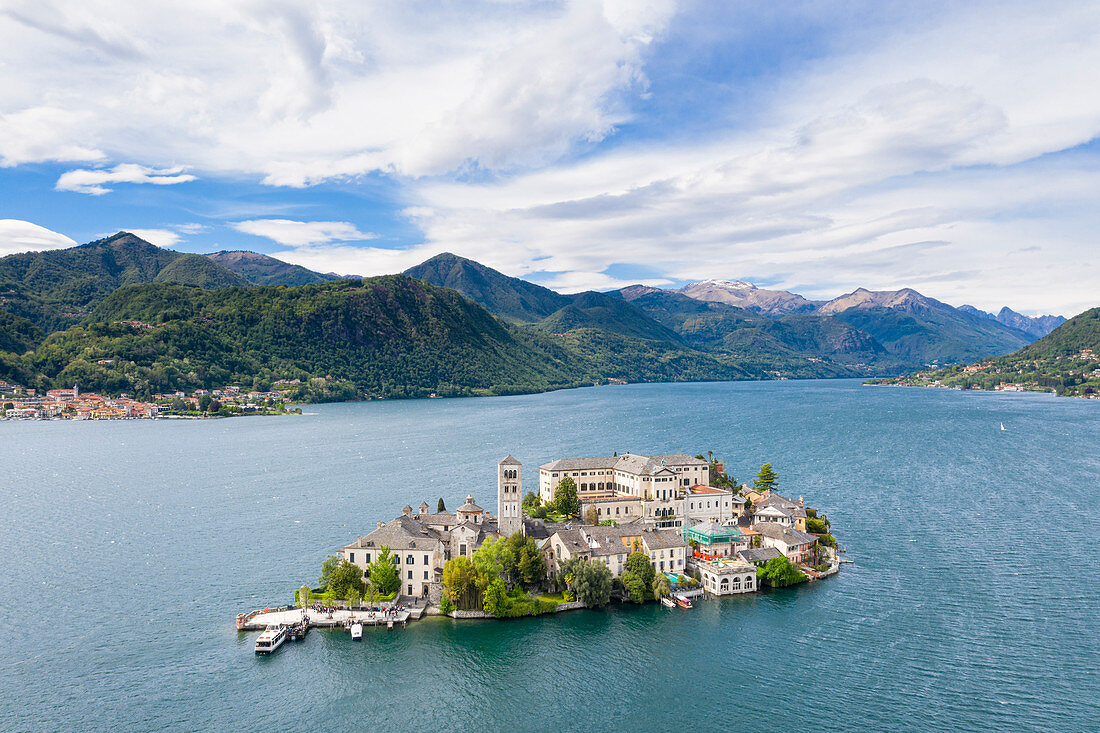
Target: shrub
{"type": "Point", "coordinates": [446, 606]}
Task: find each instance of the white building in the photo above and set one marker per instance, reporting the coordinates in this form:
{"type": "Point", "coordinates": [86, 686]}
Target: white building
{"type": "Point", "coordinates": [659, 482]}
{"type": "Point", "coordinates": [727, 576]}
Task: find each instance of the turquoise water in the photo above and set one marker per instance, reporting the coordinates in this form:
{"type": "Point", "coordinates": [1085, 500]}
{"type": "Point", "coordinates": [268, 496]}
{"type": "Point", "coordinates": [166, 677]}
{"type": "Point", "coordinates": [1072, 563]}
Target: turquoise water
{"type": "Point", "coordinates": [129, 547]}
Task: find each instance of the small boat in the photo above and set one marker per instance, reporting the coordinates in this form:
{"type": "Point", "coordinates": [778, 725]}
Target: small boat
{"type": "Point", "coordinates": [1002, 426]}
{"type": "Point", "coordinates": [666, 601]}
{"type": "Point", "coordinates": [270, 639]}
{"type": "Point", "coordinates": [357, 631]}
{"type": "Point", "coordinates": [683, 602]}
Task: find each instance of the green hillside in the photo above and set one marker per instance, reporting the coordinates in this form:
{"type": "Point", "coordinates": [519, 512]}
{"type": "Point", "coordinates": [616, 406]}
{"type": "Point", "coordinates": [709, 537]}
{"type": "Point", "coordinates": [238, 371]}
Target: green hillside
{"type": "Point", "coordinates": [508, 297]}
{"type": "Point", "coordinates": [1065, 361]}
{"type": "Point", "coordinates": [605, 312]}
{"type": "Point", "coordinates": [944, 335]}
{"type": "Point", "coordinates": [57, 288]}
{"type": "Point", "coordinates": [386, 336]}
{"type": "Point", "coordinates": [191, 269]}
{"type": "Point", "coordinates": [260, 269]}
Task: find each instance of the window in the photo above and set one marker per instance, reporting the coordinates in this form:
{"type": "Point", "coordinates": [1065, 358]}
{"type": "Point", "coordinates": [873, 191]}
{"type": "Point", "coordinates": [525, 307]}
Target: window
{"type": "Point", "coordinates": [409, 560]}
{"type": "Point", "coordinates": [425, 559]}
{"type": "Point", "coordinates": [425, 575]}
{"type": "Point", "coordinates": [367, 559]}
{"type": "Point", "coordinates": [410, 590]}
{"type": "Point", "coordinates": [462, 549]}
{"type": "Point", "coordinates": [351, 557]}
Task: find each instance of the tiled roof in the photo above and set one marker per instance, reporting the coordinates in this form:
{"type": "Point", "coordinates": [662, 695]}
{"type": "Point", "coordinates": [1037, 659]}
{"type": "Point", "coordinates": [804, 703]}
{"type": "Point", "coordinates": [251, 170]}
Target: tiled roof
{"type": "Point", "coordinates": [788, 535]}
{"type": "Point", "coordinates": [759, 554]}
{"type": "Point", "coordinates": [403, 533]}
{"type": "Point", "coordinates": [509, 461]}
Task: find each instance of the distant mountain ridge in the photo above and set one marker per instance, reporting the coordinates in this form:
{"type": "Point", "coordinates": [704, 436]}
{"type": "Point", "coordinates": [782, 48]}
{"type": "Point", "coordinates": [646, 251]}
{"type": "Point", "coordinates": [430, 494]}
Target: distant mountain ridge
{"type": "Point", "coordinates": [775, 331]}
{"type": "Point", "coordinates": [747, 295]}
{"type": "Point", "coordinates": [261, 269]}
{"type": "Point", "coordinates": [1037, 326]}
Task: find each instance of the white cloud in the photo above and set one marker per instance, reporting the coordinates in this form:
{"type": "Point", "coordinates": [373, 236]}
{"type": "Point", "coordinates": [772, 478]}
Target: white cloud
{"type": "Point", "coordinates": [352, 260]}
{"type": "Point", "coordinates": [862, 162]}
{"type": "Point", "coordinates": [17, 235]}
{"type": "Point", "coordinates": [303, 233]}
{"type": "Point", "coordinates": [90, 180]}
{"type": "Point", "coordinates": [298, 93]}
{"type": "Point", "coordinates": [159, 237]}
{"type": "Point", "coordinates": [576, 282]}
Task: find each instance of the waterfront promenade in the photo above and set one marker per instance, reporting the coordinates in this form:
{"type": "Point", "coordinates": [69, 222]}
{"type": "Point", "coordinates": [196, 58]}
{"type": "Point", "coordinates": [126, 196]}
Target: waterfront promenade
{"type": "Point", "coordinates": [335, 618]}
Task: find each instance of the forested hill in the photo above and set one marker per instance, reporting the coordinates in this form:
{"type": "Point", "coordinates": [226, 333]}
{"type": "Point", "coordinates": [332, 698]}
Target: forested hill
{"type": "Point", "coordinates": [386, 336]}
{"type": "Point", "coordinates": [508, 297]}
{"type": "Point", "coordinates": [1066, 361]}
{"type": "Point", "coordinates": [56, 288]}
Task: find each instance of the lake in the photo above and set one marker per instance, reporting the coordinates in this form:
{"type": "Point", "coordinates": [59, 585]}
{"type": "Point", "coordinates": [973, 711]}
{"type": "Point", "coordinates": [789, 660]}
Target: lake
{"type": "Point", "coordinates": [971, 605]}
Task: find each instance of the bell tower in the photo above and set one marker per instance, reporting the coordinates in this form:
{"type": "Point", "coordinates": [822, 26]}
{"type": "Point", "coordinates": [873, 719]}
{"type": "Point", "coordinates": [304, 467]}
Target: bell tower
{"type": "Point", "coordinates": [509, 498]}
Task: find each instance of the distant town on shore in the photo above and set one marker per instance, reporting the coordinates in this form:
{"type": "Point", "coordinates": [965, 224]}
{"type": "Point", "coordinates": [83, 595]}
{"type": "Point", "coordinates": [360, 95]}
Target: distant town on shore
{"type": "Point", "coordinates": [24, 403]}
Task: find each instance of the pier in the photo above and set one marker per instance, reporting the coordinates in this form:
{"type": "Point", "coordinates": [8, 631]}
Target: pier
{"type": "Point", "coordinates": [338, 618]}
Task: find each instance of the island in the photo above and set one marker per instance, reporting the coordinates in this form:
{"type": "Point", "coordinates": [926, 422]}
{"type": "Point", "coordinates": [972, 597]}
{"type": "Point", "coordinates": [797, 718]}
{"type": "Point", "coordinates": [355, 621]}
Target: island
{"type": "Point", "coordinates": [627, 528]}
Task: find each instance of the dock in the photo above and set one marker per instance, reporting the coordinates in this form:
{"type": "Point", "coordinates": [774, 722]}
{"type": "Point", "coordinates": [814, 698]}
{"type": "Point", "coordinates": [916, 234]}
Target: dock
{"type": "Point", "coordinates": [338, 618]}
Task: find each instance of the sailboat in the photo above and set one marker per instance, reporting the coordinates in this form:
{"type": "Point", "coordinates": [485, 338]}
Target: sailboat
{"type": "Point", "coordinates": [1002, 426]}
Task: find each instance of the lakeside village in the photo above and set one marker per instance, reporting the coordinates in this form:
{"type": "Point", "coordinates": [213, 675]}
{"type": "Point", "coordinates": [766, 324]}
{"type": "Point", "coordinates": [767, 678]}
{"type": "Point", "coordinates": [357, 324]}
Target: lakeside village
{"type": "Point", "coordinates": [23, 403]}
{"type": "Point", "coordinates": [623, 528]}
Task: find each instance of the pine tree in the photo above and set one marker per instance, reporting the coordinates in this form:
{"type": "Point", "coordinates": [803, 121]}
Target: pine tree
{"type": "Point", "coordinates": [766, 480]}
{"type": "Point", "coordinates": [440, 507]}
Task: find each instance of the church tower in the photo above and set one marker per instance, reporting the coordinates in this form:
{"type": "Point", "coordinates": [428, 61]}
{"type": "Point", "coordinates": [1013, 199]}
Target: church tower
{"type": "Point", "coordinates": [509, 498]}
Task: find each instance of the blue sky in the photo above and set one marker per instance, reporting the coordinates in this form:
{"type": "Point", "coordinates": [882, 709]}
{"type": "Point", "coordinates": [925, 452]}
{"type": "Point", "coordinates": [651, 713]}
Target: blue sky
{"type": "Point", "coordinates": [816, 146]}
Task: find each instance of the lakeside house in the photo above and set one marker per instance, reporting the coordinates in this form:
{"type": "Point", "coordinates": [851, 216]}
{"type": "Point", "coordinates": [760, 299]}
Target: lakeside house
{"type": "Point", "coordinates": [611, 546]}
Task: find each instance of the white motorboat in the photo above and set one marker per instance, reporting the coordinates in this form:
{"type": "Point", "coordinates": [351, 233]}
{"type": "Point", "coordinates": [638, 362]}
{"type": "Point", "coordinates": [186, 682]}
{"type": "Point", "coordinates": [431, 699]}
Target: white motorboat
{"type": "Point", "coordinates": [270, 639]}
{"type": "Point", "coordinates": [357, 631]}
{"type": "Point", "coordinates": [666, 601]}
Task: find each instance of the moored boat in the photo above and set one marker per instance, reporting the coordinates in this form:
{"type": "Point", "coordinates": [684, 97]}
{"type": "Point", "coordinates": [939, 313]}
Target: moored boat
{"type": "Point", "coordinates": [683, 602]}
{"type": "Point", "coordinates": [270, 639]}
{"type": "Point", "coordinates": [356, 631]}
{"type": "Point", "coordinates": [666, 601]}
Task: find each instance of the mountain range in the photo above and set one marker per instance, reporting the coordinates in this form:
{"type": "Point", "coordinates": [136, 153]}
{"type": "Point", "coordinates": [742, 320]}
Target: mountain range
{"type": "Point", "coordinates": [449, 325]}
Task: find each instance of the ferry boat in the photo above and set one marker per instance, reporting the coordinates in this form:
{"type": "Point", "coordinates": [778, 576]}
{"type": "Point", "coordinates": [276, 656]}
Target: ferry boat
{"type": "Point", "coordinates": [357, 631]}
{"type": "Point", "coordinates": [270, 639]}
{"type": "Point", "coordinates": [683, 602]}
{"type": "Point", "coordinates": [666, 601]}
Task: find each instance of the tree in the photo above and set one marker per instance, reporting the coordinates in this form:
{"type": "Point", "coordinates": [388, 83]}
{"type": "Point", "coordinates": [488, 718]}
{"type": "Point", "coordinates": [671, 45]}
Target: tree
{"type": "Point", "coordinates": [9, 406]}
{"type": "Point", "coordinates": [346, 578]}
{"type": "Point", "coordinates": [565, 498]}
{"type": "Point", "coordinates": [496, 598]}
{"type": "Point", "coordinates": [440, 507]}
{"type": "Point", "coordinates": [303, 595]}
{"type": "Point", "coordinates": [531, 500]}
{"type": "Point", "coordinates": [661, 587]}
{"type": "Point", "coordinates": [178, 405]}
{"type": "Point", "coordinates": [766, 479]}
{"type": "Point", "coordinates": [353, 597]}
{"type": "Point", "coordinates": [204, 402]}
{"type": "Point", "coordinates": [329, 564]}
{"type": "Point", "coordinates": [591, 516]}
{"type": "Point", "coordinates": [590, 582]}
{"type": "Point", "coordinates": [635, 586]}
{"type": "Point", "coordinates": [639, 564]}
{"type": "Point", "coordinates": [383, 572]}
{"type": "Point", "coordinates": [532, 566]}
{"type": "Point", "coordinates": [779, 573]}
{"type": "Point", "coordinates": [460, 581]}
{"type": "Point", "coordinates": [488, 561]}
{"type": "Point", "coordinates": [815, 526]}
